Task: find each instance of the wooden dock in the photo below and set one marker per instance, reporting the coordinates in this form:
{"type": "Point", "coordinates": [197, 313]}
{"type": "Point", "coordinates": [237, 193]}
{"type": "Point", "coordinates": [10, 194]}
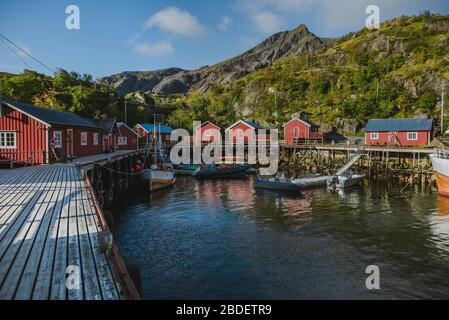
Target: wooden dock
{"type": "Point", "coordinates": [50, 239]}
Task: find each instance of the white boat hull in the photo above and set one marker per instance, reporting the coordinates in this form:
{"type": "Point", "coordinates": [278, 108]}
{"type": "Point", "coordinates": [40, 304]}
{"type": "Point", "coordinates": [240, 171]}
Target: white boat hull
{"type": "Point", "coordinates": [441, 167]}
{"type": "Point", "coordinates": [346, 182]}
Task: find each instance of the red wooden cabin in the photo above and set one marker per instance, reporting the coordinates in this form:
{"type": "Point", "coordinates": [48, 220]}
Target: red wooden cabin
{"type": "Point", "coordinates": [33, 135]}
{"type": "Point", "coordinates": [299, 130]}
{"type": "Point", "coordinates": [146, 131]}
{"type": "Point", "coordinates": [412, 132]}
{"type": "Point", "coordinates": [110, 135]}
{"type": "Point", "coordinates": [207, 132]}
{"type": "Point", "coordinates": [247, 131]}
{"type": "Point", "coordinates": [128, 138]}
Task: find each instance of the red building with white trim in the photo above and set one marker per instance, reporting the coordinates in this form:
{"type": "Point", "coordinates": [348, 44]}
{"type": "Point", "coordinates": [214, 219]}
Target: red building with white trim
{"type": "Point", "coordinates": [207, 132]}
{"type": "Point", "coordinates": [247, 131]}
{"type": "Point", "coordinates": [110, 134]}
{"type": "Point", "coordinates": [411, 132]}
{"type": "Point", "coordinates": [33, 135]}
{"type": "Point", "coordinates": [128, 138]}
{"type": "Point", "coordinates": [298, 130]}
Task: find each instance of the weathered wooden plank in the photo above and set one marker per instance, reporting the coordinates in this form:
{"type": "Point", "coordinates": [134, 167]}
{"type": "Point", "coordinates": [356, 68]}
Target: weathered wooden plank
{"type": "Point", "coordinates": [27, 281]}
{"type": "Point", "coordinates": [10, 196]}
{"type": "Point", "coordinates": [17, 236]}
{"type": "Point", "coordinates": [41, 290]}
{"type": "Point", "coordinates": [19, 211]}
{"type": "Point", "coordinates": [58, 290]}
{"type": "Point", "coordinates": [73, 254]}
{"type": "Point", "coordinates": [105, 275]}
{"type": "Point", "coordinates": [90, 278]}
{"type": "Point", "coordinates": [30, 236]}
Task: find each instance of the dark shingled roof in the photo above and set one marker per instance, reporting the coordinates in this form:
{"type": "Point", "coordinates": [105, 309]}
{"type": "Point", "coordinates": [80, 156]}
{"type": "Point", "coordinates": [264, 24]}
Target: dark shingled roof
{"type": "Point", "coordinates": [106, 124]}
{"type": "Point", "coordinates": [412, 124]}
{"type": "Point", "coordinates": [252, 124]}
{"type": "Point", "coordinates": [52, 117]}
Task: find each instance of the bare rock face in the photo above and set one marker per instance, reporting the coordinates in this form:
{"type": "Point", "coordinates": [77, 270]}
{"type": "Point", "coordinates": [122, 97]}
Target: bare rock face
{"type": "Point", "coordinates": [175, 80]}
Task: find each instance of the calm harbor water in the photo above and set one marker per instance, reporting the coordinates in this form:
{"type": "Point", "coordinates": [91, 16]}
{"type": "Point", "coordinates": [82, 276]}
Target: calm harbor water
{"type": "Point", "coordinates": [226, 240]}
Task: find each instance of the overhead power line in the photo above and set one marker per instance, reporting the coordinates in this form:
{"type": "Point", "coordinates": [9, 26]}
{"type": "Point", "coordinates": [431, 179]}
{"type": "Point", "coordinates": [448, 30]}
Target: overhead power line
{"type": "Point", "coordinates": [13, 51]}
{"type": "Point", "coordinates": [29, 55]}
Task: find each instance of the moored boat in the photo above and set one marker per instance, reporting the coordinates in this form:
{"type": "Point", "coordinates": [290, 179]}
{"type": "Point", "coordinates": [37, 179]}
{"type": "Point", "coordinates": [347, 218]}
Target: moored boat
{"type": "Point", "coordinates": [221, 171]}
{"type": "Point", "coordinates": [160, 174]}
{"type": "Point", "coordinates": [277, 184]}
{"type": "Point", "coordinates": [349, 181]}
{"type": "Point", "coordinates": [186, 169]}
{"type": "Point", "coordinates": [440, 162]}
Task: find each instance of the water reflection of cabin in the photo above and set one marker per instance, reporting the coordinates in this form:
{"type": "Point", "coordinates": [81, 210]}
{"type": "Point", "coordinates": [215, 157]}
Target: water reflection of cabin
{"type": "Point", "coordinates": [300, 131]}
{"type": "Point", "coordinates": [247, 131]}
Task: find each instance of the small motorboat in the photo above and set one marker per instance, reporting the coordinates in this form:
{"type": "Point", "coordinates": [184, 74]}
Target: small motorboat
{"type": "Point", "coordinates": [346, 181]}
{"type": "Point", "coordinates": [349, 181]}
{"type": "Point", "coordinates": [221, 171]}
{"type": "Point", "coordinates": [277, 184]}
{"type": "Point", "coordinates": [186, 169]}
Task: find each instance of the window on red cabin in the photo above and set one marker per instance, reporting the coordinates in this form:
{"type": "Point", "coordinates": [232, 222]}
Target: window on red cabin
{"type": "Point", "coordinates": [296, 132]}
{"type": "Point", "coordinates": [412, 136]}
{"type": "Point", "coordinates": [57, 138]}
{"type": "Point", "coordinates": [84, 138]}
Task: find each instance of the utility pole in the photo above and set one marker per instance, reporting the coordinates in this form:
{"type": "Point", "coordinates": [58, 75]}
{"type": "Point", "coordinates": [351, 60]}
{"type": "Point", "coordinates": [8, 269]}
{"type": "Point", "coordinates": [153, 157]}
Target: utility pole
{"type": "Point", "coordinates": [442, 107]}
{"type": "Point", "coordinates": [126, 112]}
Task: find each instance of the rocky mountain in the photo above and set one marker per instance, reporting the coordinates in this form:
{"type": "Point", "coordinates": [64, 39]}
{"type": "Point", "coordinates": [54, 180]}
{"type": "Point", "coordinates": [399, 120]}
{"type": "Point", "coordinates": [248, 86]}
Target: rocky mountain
{"type": "Point", "coordinates": [174, 80]}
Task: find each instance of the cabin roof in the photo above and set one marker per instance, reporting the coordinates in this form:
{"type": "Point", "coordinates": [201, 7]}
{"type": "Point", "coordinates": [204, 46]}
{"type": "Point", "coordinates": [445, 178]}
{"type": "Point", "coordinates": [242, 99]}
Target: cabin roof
{"type": "Point", "coordinates": [248, 123]}
{"type": "Point", "coordinates": [106, 124]}
{"type": "Point", "coordinates": [310, 124]}
{"type": "Point", "coordinates": [162, 128]}
{"type": "Point", "coordinates": [207, 122]}
{"type": "Point", "coordinates": [409, 124]}
{"type": "Point", "coordinates": [49, 116]}
{"type": "Point", "coordinates": [122, 124]}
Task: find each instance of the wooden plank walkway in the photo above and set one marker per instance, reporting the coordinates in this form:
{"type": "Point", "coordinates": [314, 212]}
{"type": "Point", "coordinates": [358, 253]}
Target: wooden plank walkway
{"type": "Point", "coordinates": [49, 229]}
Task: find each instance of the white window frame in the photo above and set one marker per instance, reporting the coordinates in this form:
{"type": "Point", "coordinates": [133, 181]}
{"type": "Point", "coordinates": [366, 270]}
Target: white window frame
{"type": "Point", "coordinates": [374, 135]}
{"type": "Point", "coordinates": [96, 139]}
{"type": "Point", "coordinates": [122, 141]}
{"type": "Point", "coordinates": [3, 137]}
{"type": "Point", "coordinates": [207, 133]}
{"type": "Point", "coordinates": [412, 133]}
{"type": "Point", "coordinates": [83, 138]}
{"type": "Point", "coordinates": [57, 141]}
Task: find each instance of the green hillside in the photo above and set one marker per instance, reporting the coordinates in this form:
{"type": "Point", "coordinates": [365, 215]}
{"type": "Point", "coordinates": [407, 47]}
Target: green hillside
{"type": "Point", "coordinates": [396, 71]}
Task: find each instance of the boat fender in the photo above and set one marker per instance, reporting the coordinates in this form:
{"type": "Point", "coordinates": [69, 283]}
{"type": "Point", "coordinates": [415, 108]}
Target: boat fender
{"type": "Point", "coordinates": [99, 186]}
{"type": "Point", "coordinates": [153, 167]}
{"type": "Point", "coordinates": [100, 200]}
{"type": "Point", "coordinates": [110, 195]}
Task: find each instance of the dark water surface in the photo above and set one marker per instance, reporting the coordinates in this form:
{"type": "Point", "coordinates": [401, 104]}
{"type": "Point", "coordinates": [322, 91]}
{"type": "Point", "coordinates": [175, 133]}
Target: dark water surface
{"type": "Point", "coordinates": [226, 240]}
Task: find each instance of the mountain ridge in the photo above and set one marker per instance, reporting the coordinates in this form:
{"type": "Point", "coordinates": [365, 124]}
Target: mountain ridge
{"type": "Point", "coordinates": [177, 80]}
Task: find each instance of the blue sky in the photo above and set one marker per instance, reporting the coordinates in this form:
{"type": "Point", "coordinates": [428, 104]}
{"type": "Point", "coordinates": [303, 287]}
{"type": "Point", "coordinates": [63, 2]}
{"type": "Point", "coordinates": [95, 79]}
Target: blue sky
{"type": "Point", "coordinates": [145, 35]}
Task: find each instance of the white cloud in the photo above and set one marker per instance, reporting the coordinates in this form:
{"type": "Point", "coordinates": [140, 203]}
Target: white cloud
{"type": "Point", "coordinates": [176, 21]}
{"type": "Point", "coordinates": [158, 49]}
{"type": "Point", "coordinates": [267, 22]}
{"type": "Point", "coordinates": [331, 15]}
{"type": "Point", "coordinates": [224, 23]}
